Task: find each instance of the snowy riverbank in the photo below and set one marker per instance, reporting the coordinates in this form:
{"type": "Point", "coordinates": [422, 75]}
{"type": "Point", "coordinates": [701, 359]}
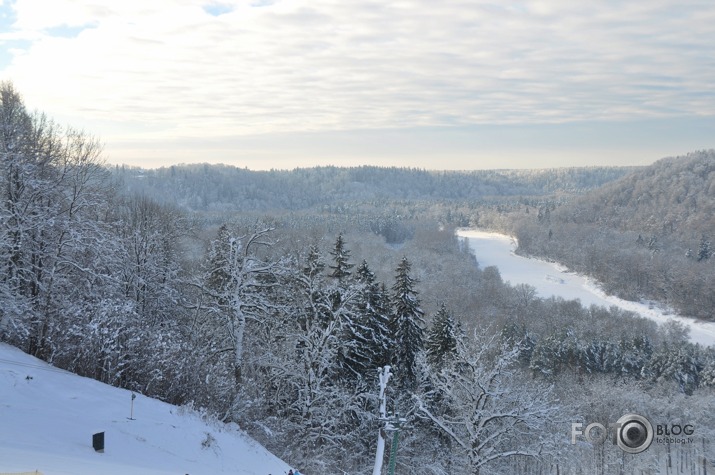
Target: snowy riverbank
{"type": "Point", "coordinates": [551, 279]}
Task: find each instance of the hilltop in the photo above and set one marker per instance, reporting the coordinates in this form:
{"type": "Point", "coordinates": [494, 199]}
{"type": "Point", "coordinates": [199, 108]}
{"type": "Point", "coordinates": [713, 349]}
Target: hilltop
{"type": "Point", "coordinates": [205, 187]}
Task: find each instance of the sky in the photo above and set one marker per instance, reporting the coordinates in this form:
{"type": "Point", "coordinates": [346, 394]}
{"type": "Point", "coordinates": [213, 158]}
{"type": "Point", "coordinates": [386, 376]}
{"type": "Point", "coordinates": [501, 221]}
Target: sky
{"type": "Point", "coordinates": [453, 84]}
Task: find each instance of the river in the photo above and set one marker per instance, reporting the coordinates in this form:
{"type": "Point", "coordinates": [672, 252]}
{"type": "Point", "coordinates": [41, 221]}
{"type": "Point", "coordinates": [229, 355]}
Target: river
{"type": "Point", "coordinates": [551, 279]}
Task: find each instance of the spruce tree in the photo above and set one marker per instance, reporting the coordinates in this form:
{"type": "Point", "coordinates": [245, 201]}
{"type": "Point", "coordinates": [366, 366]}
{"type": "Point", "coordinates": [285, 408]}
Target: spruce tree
{"type": "Point", "coordinates": [441, 341]}
{"type": "Point", "coordinates": [368, 339]}
{"type": "Point", "coordinates": [318, 306]}
{"type": "Point", "coordinates": [340, 272]}
{"type": "Point", "coordinates": [406, 325]}
{"type": "Point", "coordinates": [341, 257]}
{"type": "Point", "coordinates": [314, 264]}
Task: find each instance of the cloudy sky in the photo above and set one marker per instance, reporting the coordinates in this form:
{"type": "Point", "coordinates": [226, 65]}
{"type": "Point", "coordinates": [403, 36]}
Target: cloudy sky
{"type": "Point", "coordinates": [452, 84]}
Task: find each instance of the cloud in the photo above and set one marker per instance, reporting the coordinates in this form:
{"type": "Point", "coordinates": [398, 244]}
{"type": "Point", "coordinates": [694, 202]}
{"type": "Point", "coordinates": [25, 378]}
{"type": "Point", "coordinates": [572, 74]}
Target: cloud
{"type": "Point", "coordinates": [192, 68]}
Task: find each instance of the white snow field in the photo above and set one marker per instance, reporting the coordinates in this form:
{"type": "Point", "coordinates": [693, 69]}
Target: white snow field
{"type": "Point", "coordinates": [48, 417]}
{"type": "Point", "coordinates": [551, 279]}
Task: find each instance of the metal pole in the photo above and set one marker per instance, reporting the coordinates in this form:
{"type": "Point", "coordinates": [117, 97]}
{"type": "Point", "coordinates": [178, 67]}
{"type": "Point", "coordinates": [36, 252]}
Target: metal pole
{"type": "Point", "coordinates": [131, 410]}
{"type": "Point", "coordinates": [393, 452]}
{"type": "Point", "coordinates": [396, 425]}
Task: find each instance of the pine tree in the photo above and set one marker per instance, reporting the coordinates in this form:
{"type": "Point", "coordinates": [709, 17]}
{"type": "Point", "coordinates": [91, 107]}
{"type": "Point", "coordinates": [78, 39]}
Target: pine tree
{"type": "Point", "coordinates": [441, 342]}
{"type": "Point", "coordinates": [339, 294]}
{"type": "Point", "coordinates": [406, 325]}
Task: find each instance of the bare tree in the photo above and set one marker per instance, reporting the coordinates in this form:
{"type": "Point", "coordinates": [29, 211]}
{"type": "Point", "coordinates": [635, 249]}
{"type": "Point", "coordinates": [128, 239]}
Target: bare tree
{"type": "Point", "coordinates": [483, 406]}
{"type": "Point", "coordinates": [52, 198]}
{"type": "Point", "coordinates": [239, 280]}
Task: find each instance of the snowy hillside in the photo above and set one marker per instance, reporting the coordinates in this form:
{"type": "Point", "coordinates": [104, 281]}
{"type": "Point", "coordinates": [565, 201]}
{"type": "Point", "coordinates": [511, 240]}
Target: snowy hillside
{"type": "Point", "coordinates": [48, 416]}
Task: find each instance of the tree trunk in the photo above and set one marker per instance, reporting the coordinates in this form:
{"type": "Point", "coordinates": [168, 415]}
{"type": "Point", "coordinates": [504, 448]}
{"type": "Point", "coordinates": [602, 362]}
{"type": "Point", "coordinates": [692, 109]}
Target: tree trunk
{"type": "Point", "coordinates": [238, 346]}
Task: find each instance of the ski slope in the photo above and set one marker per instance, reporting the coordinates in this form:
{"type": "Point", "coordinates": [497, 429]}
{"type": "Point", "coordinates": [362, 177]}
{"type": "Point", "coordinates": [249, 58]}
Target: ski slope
{"type": "Point", "coordinates": [48, 416]}
{"type": "Point", "coordinates": [551, 279]}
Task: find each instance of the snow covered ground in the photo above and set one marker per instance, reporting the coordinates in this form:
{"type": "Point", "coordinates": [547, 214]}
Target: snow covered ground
{"type": "Point", "coordinates": [550, 279]}
{"type": "Point", "coordinates": [48, 416]}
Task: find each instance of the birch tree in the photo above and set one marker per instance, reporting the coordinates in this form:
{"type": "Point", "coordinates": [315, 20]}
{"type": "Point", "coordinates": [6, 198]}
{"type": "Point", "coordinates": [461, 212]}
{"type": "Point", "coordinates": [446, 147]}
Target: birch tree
{"type": "Point", "coordinates": [239, 280]}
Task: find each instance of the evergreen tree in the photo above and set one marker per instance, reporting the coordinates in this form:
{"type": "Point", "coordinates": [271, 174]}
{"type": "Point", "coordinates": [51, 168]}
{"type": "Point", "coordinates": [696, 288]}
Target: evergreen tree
{"type": "Point", "coordinates": [406, 326]}
{"type": "Point", "coordinates": [312, 282]}
{"type": "Point", "coordinates": [340, 272]}
{"type": "Point", "coordinates": [341, 257]}
{"type": "Point", "coordinates": [636, 352]}
{"type": "Point", "coordinates": [314, 263]}
{"type": "Point", "coordinates": [368, 333]}
{"type": "Point", "coordinates": [441, 341]}
{"type": "Point", "coordinates": [707, 375]}
{"type": "Point", "coordinates": [219, 277]}
{"type": "Point", "coordinates": [681, 363]}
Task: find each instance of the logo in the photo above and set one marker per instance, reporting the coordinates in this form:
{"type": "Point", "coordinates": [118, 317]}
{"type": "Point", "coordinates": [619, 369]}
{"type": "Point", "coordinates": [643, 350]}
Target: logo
{"type": "Point", "coordinates": [633, 433]}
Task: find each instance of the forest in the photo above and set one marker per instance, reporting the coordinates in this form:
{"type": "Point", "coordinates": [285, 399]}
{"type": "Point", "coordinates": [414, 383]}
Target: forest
{"type": "Point", "coordinates": [645, 235]}
{"type": "Point", "coordinates": [204, 187]}
{"type": "Point", "coordinates": [272, 300]}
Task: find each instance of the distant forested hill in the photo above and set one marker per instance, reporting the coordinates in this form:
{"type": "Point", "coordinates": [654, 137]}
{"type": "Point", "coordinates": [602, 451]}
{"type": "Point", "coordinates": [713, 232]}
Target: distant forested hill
{"type": "Point", "coordinates": [674, 196]}
{"type": "Point", "coordinates": [225, 188]}
{"type": "Point", "coordinates": [648, 234]}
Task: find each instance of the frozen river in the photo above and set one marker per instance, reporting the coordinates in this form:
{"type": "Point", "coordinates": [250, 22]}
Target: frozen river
{"type": "Point", "coordinates": [550, 279]}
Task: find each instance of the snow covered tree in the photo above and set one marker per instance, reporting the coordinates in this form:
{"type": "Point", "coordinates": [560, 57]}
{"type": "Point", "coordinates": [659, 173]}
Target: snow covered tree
{"type": "Point", "coordinates": [406, 325]}
{"type": "Point", "coordinates": [553, 354]}
{"type": "Point", "coordinates": [149, 267]}
{"type": "Point", "coordinates": [635, 353]}
{"type": "Point", "coordinates": [340, 293]}
{"type": "Point", "coordinates": [441, 341]}
{"type": "Point", "coordinates": [310, 404]}
{"type": "Point", "coordinates": [55, 244]}
{"type": "Point", "coordinates": [707, 375]}
{"type": "Point", "coordinates": [486, 408]}
{"type": "Point", "coordinates": [314, 265]}
{"type": "Point", "coordinates": [341, 259]}
{"type": "Point", "coordinates": [367, 330]}
{"type": "Point", "coordinates": [239, 280]}
{"type": "Point", "coordinates": [679, 363]}
{"type": "Point", "coordinates": [600, 356]}
{"type": "Point", "coordinates": [319, 307]}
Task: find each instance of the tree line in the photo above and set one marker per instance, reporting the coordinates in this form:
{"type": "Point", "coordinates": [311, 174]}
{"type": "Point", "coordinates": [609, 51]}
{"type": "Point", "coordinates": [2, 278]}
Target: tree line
{"type": "Point", "coordinates": [223, 188]}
